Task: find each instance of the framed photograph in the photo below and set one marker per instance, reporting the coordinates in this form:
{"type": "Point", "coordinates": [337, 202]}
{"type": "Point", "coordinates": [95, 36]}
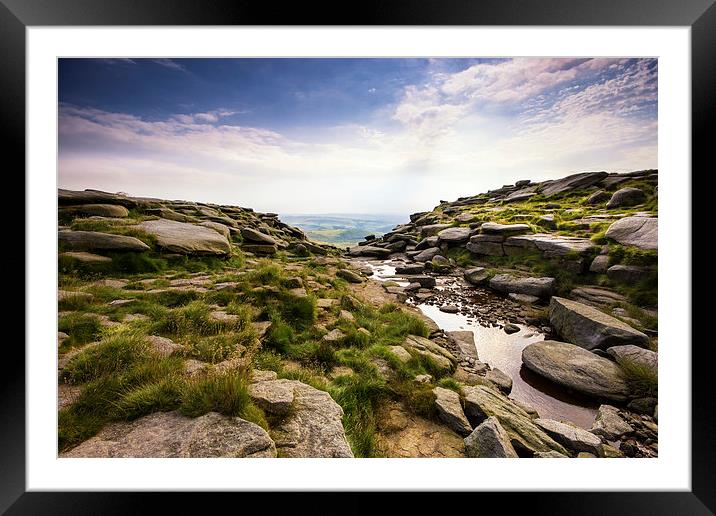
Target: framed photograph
{"type": "Point", "coordinates": [414, 249]}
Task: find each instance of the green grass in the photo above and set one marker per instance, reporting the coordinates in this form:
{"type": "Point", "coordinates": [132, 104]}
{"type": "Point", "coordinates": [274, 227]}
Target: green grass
{"type": "Point", "coordinates": [217, 348]}
{"type": "Point", "coordinates": [450, 383]}
{"type": "Point", "coordinates": [81, 328]}
{"type": "Point", "coordinates": [642, 380]}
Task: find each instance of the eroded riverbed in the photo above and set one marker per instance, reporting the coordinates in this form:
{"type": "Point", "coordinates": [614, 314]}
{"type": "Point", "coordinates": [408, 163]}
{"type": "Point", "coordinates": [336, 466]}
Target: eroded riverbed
{"type": "Point", "coordinates": [500, 350]}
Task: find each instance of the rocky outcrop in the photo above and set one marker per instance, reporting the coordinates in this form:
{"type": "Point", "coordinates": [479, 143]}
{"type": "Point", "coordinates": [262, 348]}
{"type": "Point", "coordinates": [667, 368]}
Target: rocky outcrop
{"type": "Point", "coordinates": [576, 368]}
{"type": "Point", "coordinates": [476, 275]}
{"type": "Point", "coordinates": [252, 235]}
{"type": "Point", "coordinates": [427, 348]}
{"type": "Point", "coordinates": [313, 427]}
{"type": "Point", "coordinates": [169, 434]}
{"type": "Point", "coordinates": [590, 328]}
{"type": "Point", "coordinates": [454, 236]}
{"type": "Point", "coordinates": [96, 241]}
{"type": "Point", "coordinates": [609, 424]}
{"type": "Point", "coordinates": [72, 197]}
{"type": "Point", "coordinates": [539, 287]}
{"type": "Point", "coordinates": [98, 210]}
{"type": "Point", "coordinates": [626, 197]}
{"type": "Point", "coordinates": [559, 186]}
{"type": "Point", "coordinates": [550, 246]}
{"type": "Point", "coordinates": [641, 232]}
{"type": "Point", "coordinates": [527, 438]}
{"type": "Point", "coordinates": [180, 237]}
{"type": "Point", "coordinates": [489, 440]}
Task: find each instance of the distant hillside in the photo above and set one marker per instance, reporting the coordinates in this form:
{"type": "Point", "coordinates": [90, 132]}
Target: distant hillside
{"type": "Point", "coordinates": [345, 229]}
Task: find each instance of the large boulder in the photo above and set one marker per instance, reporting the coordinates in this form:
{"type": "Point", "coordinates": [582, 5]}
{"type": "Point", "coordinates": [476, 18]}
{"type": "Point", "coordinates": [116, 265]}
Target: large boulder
{"type": "Point", "coordinates": [427, 254]}
{"type": "Point", "coordinates": [490, 245]}
{"type": "Point", "coordinates": [169, 434]}
{"type": "Point", "coordinates": [628, 273]}
{"type": "Point", "coordinates": [432, 229]}
{"type": "Point", "coordinates": [577, 369]}
{"type": "Point", "coordinates": [222, 229]}
{"type": "Point", "coordinates": [450, 411]}
{"type": "Point", "coordinates": [99, 210]}
{"type": "Point", "coordinates": [465, 341]}
{"type": "Point", "coordinates": [570, 436]}
{"type": "Point", "coordinates": [489, 440]}
{"type": "Point", "coordinates": [626, 197]}
{"type": "Point", "coordinates": [572, 182]}
{"type": "Point", "coordinates": [454, 235]}
{"type": "Point", "coordinates": [350, 276]}
{"type": "Point", "coordinates": [369, 250]}
{"type": "Point", "coordinates": [641, 232]}
{"type": "Point", "coordinates": [74, 197]}
{"type": "Point", "coordinates": [180, 237]}
{"type": "Point", "coordinates": [410, 268]}
{"type": "Point", "coordinates": [539, 287]}
{"type": "Point", "coordinates": [591, 328]}
{"type": "Point", "coordinates": [313, 427]}
{"type": "Point", "coordinates": [96, 241]}
{"type": "Point", "coordinates": [440, 356]}
{"type": "Point", "coordinates": [252, 235]}
{"type": "Point", "coordinates": [526, 438]}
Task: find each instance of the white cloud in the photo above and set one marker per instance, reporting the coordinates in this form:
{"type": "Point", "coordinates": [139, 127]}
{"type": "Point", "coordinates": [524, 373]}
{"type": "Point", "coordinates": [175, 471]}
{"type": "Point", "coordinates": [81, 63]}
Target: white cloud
{"type": "Point", "coordinates": [172, 65]}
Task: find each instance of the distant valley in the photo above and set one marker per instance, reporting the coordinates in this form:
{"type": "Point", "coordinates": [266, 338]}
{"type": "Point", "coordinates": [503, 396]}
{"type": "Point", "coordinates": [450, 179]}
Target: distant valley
{"type": "Point", "coordinates": [344, 229]}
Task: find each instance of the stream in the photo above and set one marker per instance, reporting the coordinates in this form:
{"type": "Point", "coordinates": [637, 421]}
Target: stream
{"type": "Point", "coordinates": [502, 351]}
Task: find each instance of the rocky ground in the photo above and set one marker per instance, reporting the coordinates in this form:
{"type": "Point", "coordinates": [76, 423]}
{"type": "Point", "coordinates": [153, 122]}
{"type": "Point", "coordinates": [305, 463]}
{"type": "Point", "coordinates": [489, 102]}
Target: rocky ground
{"type": "Point", "coordinates": [198, 330]}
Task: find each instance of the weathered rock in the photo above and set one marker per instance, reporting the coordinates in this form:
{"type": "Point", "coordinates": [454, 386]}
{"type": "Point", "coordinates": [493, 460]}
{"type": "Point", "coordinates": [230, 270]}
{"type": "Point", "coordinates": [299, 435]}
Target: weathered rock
{"type": "Point", "coordinates": [273, 396]}
{"type": "Point", "coordinates": [609, 424]}
{"type": "Point", "coordinates": [454, 235]}
{"type": "Point", "coordinates": [70, 295]}
{"type": "Point", "coordinates": [333, 336]}
{"type": "Point", "coordinates": [162, 345]}
{"type": "Point", "coordinates": [96, 241]}
{"type": "Point", "coordinates": [628, 273]}
{"type": "Point", "coordinates": [400, 352]}
{"type": "Point", "coordinates": [369, 250]}
{"type": "Point", "coordinates": [313, 427]}
{"type": "Point", "coordinates": [590, 328]}
{"type": "Point", "coordinates": [424, 281]}
{"type": "Point", "coordinates": [540, 287]}
{"type": "Point", "coordinates": [570, 436]}
{"type": "Point", "coordinates": [641, 232]}
{"type": "Point", "coordinates": [635, 354]}
{"type": "Point", "coordinates": [576, 368]}
{"type": "Point", "coordinates": [412, 268]}
{"type": "Point", "coordinates": [426, 243]}
{"type": "Point", "coordinates": [493, 228]}
{"type": "Point", "coordinates": [549, 455]}
{"type": "Point", "coordinates": [598, 197]}
{"type": "Point", "coordinates": [500, 379]}
{"type": "Point", "coordinates": [485, 247]}
{"type": "Point", "coordinates": [572, 182]}
{"type": "Point", "coordinates": [526, 438]}
{"type": "Point", "coordinates": [551, 245]}
{"type": "Point", "coordinates": [510, 328]}
{"type": "Point", "coordinates": [489, 440]}
{"type": "Point", "coordinates": [519, 196]}
{"type": "Point", "coordinates": [326, 303]}
{"type": "Point", "coordinates": [476, 275]}
{"type": "Point", "coordinates": [600, 264]}
{"type": "Point", "coordinates": [258, 375]}
{"type": "Point", "coordinates": [643, 405]}
{"type": "Point", "coordinates": [74, 197]}
{"type": "Point", "coordinates": [465, 341]}
{"type": "Point", "coordinates": [261, 249]}
{"type": "Point", "coordinates": [427, 254]}
{"type": "Point", "coordinates": [87, 258]}
{"type": "Point", "coordinates": [449, 309]}
{"type": "Point", "coordinates": [626, 197]}
{"type": "Point", "coordinates": [427, 348]}
{"type": "Point", "coordinates": [598, 296]}
{"type": "Point", "coordinates": [350, 276]}
{"type": "Point", "coordinates": [523, 299]}
{"type": "Point", "coordinates": [99, 210]}
{"type": "Point", "coordinates": [258, 237]}
{"type": "Point", "coordinates": [169, 434]}
{"type": "Point", "coordinates": [216, 226]}
{"type": "Point", "coordinates": [183, 238]}
{"type": "Point", "coordinates": [432, 229]}
{"type": "Point", "coordinates": [450, 411]}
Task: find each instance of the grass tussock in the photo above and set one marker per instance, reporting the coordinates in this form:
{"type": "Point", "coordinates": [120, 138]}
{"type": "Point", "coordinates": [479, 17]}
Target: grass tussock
{"type": "Point", "coordinates": [642, 379]}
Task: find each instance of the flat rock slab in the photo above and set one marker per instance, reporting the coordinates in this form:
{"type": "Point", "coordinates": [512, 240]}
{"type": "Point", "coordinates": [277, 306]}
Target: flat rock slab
{"type": "Point", "coordinates": [99, 210]}
{"type": "Point", "coordinates": [454, 235]}
{"type": "Point", "coordinates": [427, 348]}
{"type": "Point", "coordinates": [180, 237]}
{"type": "Point", "coordinates": [635, 354]}
{"type": "Point", "coordinates": [273, 396]}
{"type": "Point", "coordinates": [369, 250]}
{"type": "Point", "coordinates": [572, 182]}
{"type": "Point", "coordinates": [169, 434]}
{"type": "Point", "coordinates": [570, 436]}
{"type": "Point", "coordinates": [216, 226]}
{"type": "Point", "coordinates": [482, 402]}
{"type": "Point", "coordinates": [641, 232]}
{"type": "Point", "coordinates": [476, 275]}
{"type": "Point", "coordinates": [539, 287]}
{"type": "Point", "coordinates": [76, 197]}
{"type": "Point", "coordinates": [493, 228]}
{"type": "Point", "coordinates": [97, 241]}
{"type": "Point", "coordinates": [350, 276]}
{"type": "Point", "coordinates": [489, 440]}
{"type": "Point", "coordinates": [450, 411]}
{"type": "Point", "coordinates": [465, 341]}
{"type": "Point", "coordinates": [577, 369]}
{"type": "Point", "coordinates": [87, 258]}
{"type": "Point", "coordinates": [258, 237]}
{"type": "Point", "coordinates": [551, 245]}
{"type": "Point", "coordinates": [598, 296]}
{"type": "Point", "coordinates": [590, 328]}
{"type": "Point", "coordinates": [313, 427]}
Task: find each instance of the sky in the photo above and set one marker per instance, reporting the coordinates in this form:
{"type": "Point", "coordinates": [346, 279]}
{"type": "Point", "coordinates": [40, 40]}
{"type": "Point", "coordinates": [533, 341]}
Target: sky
{"type": "Point", "coordinates": [348, 135]}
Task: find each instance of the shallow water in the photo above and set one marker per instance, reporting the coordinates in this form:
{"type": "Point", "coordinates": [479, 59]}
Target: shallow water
{"type": "Point", "coordinates": [504, 352]}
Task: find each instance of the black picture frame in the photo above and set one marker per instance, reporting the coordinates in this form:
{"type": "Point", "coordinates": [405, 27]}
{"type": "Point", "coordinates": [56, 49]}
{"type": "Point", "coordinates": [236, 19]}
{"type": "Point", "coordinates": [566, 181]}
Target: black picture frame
{"type": "Point", "coordinates": [17, 15]}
